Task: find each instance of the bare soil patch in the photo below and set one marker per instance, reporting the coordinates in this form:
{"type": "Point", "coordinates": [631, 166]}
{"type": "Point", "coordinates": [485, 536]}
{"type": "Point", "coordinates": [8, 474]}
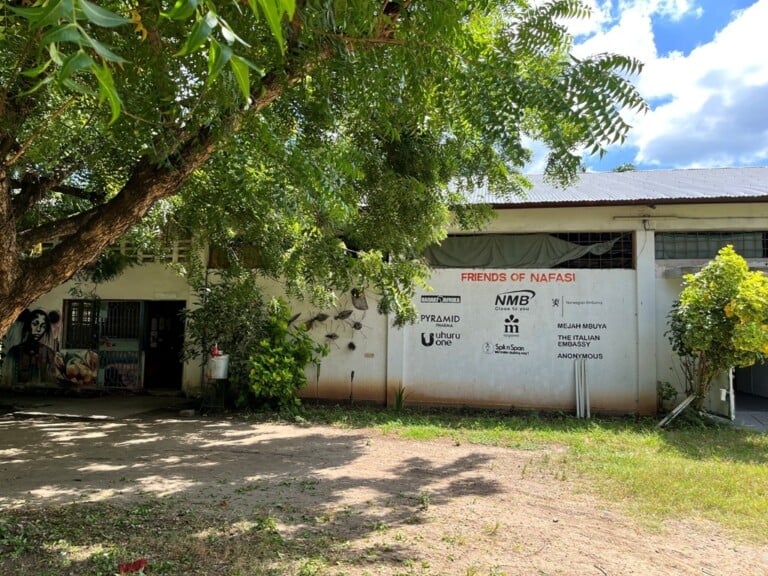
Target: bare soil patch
{"type": "Point", "coordinates": [225, 496]}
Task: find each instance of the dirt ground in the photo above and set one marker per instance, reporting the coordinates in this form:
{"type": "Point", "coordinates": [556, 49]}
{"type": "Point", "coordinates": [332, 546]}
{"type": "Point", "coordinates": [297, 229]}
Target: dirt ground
{"type": "Point", "coordinates": [398, 506]}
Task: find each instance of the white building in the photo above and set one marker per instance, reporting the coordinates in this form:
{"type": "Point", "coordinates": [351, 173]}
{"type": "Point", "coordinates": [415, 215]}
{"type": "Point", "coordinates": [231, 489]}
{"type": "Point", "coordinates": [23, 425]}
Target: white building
{"type": "Point", "coordinates": [564, 285]}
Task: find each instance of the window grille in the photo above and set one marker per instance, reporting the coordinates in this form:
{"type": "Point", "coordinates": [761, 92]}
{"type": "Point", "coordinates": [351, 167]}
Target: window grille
{"type": "Point", "coordinates": [247, 256]}
{"type": "Point", "coordinates": [81, 323]}
{"type": "Point", "coordinates": [620, 254]}
{"type": "Point", "coordinates": [599, 250]}
{"type": "Point", "coordinates": [121, 368]}
{"type": "Point", "coordinates": [123, 320]}
{"type": "Point", "coordinates": [705, 245]}
{"type": "Point", "coordinates": [177, 252]}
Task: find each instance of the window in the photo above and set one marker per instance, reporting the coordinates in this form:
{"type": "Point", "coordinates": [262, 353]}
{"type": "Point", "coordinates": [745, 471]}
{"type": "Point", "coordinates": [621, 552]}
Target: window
{"type": "Point", "coordinates": [705, 245]}
{"type": "Point", "coordinates": [599, 250]}
{"type": "Point", "coordinates": [123, 320]}
{"type": "Point", "coordinates": [81, 324]}
{"type": "Point", "coordinates": [248, 256]}
{"type": "Point", "coordinates": [618, 250]}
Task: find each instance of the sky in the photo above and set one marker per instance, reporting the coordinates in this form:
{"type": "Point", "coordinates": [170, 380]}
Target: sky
{"type": "Point", "coordinates": [705, 78]}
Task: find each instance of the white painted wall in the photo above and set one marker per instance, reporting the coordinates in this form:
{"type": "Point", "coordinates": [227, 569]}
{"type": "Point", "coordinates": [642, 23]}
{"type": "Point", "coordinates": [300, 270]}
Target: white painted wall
{"type": "Point", "coordinates": [150, 281]}
{"type": "Point", "coordinates": [356, 372]}
{"type": "Point", "coordinates": [633, 308]}
{"type": "Point", "coordinates": [512, 338]}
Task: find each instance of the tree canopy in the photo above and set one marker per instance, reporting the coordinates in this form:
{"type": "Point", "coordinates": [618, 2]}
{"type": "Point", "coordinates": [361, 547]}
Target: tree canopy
{"type": "Point", "coordinates": [334, 137]}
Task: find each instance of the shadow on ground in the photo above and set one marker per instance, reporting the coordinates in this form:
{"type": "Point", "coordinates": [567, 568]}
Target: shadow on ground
{"type": "Point", "coordinates": [208, 496]}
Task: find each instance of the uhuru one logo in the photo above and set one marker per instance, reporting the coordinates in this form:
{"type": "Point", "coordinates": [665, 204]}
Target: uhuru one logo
{"type": "Point", "coordinates": [439, 338]}
{"type": "Point", "coordinates": [514, 300]}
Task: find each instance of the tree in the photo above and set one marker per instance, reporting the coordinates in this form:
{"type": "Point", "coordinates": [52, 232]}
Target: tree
{"type": "Point", "coordinates": [720, 321]}
{"type": "Point", "coordinates": [275, 121]}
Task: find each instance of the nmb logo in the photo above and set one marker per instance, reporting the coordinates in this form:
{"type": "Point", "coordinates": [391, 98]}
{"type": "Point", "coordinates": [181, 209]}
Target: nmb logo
{"type": "Point", "coordinates": [515, 298]}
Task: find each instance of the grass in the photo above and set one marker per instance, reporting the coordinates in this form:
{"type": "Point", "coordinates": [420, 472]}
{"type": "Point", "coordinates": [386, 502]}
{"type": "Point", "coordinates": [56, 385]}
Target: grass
{"type": "Point", "coordinates": [694, 470]}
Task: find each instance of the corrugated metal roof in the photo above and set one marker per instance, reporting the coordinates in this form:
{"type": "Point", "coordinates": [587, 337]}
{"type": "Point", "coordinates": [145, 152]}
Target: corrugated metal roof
{"type": "Point", "coordinates": [643, 187]}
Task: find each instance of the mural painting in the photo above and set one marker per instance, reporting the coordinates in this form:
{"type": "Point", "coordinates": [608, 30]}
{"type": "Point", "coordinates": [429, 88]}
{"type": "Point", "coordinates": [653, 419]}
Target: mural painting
{"type": "Point", "coordinates": [34, 356]}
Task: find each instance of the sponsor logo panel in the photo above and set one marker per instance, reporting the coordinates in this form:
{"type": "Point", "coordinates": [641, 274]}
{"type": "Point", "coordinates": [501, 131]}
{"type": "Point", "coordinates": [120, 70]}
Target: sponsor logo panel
{"type": "Point", "coordinates": [440, 299]}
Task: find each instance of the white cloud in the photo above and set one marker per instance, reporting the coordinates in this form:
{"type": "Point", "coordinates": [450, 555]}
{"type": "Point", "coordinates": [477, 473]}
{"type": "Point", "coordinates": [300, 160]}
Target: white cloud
{"type": "Point", "coordinates": [708, 105]}
{"type": "Point", "coordinates": [632, 35]}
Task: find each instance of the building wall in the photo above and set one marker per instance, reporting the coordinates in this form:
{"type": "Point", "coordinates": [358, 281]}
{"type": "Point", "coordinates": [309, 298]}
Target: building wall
{"type": "Point", "coordinates": [515, 338]}
{"type": "Point", "coordinates": [150, 281]}
{"type": "Point", "coordinates": [475, 351]}
{"type": "Point", "coordinates": [356, 335]}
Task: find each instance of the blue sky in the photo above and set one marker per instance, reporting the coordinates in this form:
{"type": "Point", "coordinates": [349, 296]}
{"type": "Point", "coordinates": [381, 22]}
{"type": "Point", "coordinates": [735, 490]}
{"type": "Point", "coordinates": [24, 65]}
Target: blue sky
{"type": "Point", "coordinates": [705, 78]}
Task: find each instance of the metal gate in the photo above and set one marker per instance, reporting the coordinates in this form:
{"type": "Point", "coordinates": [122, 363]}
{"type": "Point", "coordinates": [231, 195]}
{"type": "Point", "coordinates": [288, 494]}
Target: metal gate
{"type": "Point", "coordinates": [120, 344]}
{"type": "Point", "coordinates": [109, 330]}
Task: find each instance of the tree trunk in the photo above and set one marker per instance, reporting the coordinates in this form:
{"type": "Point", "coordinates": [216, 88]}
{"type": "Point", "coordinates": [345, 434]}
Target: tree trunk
{"type": "Point", "coordinates": [24, 281]}
{"type": "Point", "coordinates": [11, 301]}
{"type": "Point", "coordinates": [87, 234]}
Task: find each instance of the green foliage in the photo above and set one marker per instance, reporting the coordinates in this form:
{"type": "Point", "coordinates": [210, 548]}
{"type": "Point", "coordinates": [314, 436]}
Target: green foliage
{"type": "Point", "coordinates": [334, 139]}
{"type": "Point", "coordinates": [74, 35]}
{"type": "Point", "coordinates": [720, 321]}
{"type": "Point", "coordinates": [400, 396]}
{"type": "Point", "coordinates": [665, 394]}
{"type": "Point", "coordinates": [278, 361]}
{"type": "Point", "coordinates": [230, 313]}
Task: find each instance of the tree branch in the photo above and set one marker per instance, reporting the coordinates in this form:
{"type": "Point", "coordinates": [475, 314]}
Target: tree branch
{"type": "Point", "coordinates": [25, 146]}
{"type": "Point", "coordinates": [386, 40]}
{"type": "Point", "coordinates": [88, 233]}
{"type": "Point", "coordinates": [57, 229]}
{"type": "Point", "coordinates": [33, 187]}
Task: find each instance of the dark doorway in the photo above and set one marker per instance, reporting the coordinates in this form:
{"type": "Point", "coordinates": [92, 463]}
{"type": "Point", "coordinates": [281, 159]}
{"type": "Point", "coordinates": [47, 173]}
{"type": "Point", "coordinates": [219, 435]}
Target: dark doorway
{"type": "Point", "coordinates": [751, 388]}
{"type": "Point", "coordinates": [163, 341]}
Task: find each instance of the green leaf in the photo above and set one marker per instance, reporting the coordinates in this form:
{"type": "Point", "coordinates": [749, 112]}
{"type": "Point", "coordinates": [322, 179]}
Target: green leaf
{"type": "Point", "coordinates": [181, 10]}
{"type": "Point", "coordinates": [218, 56]}
{"type": "Point", "coordinates": [31, 13]}
{"type": "Point", "coordinates": [55, 54]}
{"type": "Point", "coordinates": [100, 16]}
{"type": "Point", "coordinates": [75, 63]}
{"type": "Point", "coordinates": [241, 70]}
{"type": "Point", "coordinates": [229, 34]}
{"type": "Point", "coordinates": [37, 70]}
{"type": "Point", "coordinates": [199, 34]}
{"type": "Point", "coordinates": [36, 87]}
{"type": "Point", "coordinates": [76, 87]}
{"type": "Point", "coordinates": [40, 16]}
{"type": "Point", "coordinates": [103, 51]}
{"type": "Point", "coordinates": [107, 90]}
{"type": "Point", "coordinates": [66, 33]}
{"type": "Point", "coordinates": [273, 11]}
{"type": "Point", "coordinates": [288, 6]}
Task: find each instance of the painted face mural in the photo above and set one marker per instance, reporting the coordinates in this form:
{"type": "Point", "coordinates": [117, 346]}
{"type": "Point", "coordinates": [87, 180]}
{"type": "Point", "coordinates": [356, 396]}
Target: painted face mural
{"type": "Point", "coordinates": [31, 357]}
{"type": "Point", "coordinates": [38, 326]}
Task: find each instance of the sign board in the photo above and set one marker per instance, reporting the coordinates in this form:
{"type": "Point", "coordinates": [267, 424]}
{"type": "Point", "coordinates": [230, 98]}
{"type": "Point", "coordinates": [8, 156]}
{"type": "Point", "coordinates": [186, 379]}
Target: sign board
{"type": "Point", "coordinates": [511, 337]}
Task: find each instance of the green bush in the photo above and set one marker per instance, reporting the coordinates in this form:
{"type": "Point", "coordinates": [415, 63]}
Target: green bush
{"type": "Point", "coordinates": [231, 313]}
{"type": "Point", "coordinates": [278, 361]}
{"type": "Point", "coordinates": [720, 321]}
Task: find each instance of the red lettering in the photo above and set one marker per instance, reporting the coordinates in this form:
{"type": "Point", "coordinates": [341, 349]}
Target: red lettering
{"type": "Point", "coordinates": [483, 277]}
{"type": "Point", "coordinates": [553, 277]}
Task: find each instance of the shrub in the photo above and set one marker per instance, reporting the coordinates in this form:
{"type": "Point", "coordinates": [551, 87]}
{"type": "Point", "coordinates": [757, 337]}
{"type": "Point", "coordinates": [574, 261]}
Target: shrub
{"type": "Point", "coordinates": [278, 362]}
{"type": "Point", "coordinates": [720, 321]}
{"type": "Point", "coordinates": [232, 314]}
